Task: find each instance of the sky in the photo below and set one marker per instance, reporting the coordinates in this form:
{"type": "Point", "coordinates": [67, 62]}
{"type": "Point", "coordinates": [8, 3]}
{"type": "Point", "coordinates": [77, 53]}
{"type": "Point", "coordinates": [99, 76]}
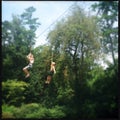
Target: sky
{"type": "Point", "coordinates": [48, 12]}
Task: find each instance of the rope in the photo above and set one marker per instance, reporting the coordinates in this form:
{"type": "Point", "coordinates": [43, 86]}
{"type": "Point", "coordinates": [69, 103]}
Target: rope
{"type": "Point", "coordinates": [52, 57]}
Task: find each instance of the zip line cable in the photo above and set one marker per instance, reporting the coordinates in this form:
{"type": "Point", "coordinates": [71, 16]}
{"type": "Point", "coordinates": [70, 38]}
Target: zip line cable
{"type": "Point", "coordinates": [55, 21]}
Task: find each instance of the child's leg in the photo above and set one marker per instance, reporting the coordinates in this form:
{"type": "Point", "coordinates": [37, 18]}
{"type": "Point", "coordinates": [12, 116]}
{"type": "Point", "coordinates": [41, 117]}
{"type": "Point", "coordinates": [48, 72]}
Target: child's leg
{"type": "Point", "coordinates": [26, 72]}
{"type": "Point", "coordinates": [48, 79]}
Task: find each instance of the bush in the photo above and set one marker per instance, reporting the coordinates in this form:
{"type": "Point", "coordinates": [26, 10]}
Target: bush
{"type": "Point", "coordinates": [35, 110]}
{"type": "Point", "coordinates": [32, 110]}
{"type": "Point", "coordinates": [41, 113]}
{"type": "Point", "coordinates": [26, 109]}
{"type": "Point", "coordinates": [7, 115]}
{"type": "Point", "coordinates": [13, 92]}
{"type": "Point", "coordinates": [7, 111]}
{"type": "Point", "coordinates": [56, 112]}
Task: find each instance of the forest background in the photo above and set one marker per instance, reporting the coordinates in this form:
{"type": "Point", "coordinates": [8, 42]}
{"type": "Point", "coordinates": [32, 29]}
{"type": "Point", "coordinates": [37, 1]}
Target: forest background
{"type": "Point", "coordinates": [81, 87]}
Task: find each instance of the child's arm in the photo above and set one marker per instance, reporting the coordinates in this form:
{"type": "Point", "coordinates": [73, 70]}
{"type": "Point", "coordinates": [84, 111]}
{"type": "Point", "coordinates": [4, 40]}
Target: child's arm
{"type": "Point", "coordinates": [28, 56]}
{"type": "Point", "coordinates": [54, 69]}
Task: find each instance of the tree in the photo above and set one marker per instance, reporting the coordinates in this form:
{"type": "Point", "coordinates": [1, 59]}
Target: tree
{"type": "Point", "coordinates": [77, 46]}
{"type": "Point", "coordinates": [30, 23]}
{"type": "Point", "coordinates": [108, 20]}
{"type": "Point", "coordinates": [105, 97]}
{"type": "Point", "coordinates": [17, 40]}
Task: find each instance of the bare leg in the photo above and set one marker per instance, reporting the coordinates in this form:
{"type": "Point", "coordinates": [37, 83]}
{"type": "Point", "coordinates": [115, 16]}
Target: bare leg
{"type": "Point", "coordinates": [48, 79]}
{"type": "Point", "coordinates": [26, 72]}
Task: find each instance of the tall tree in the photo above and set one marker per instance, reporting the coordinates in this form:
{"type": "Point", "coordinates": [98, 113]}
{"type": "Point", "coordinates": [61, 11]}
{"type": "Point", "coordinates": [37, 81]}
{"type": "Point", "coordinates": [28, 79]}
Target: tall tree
{"type": "Point", "coordinates": [16, 42]}
{"type": "Point", "coordinates": [108, 20]}
{"type": "Point", "coordinates": [30, 23]}
{"type": "Point", "coordinates": [74, 38]}
{"type": "Point", "coordinates": [76, 42]}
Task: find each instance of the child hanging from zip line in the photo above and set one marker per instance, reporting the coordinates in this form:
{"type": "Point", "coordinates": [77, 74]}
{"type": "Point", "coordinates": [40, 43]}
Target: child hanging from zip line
{"type": "Point", "coordinates": [30, 58]}
{"type": "Point", "coordinates": [51, 73]}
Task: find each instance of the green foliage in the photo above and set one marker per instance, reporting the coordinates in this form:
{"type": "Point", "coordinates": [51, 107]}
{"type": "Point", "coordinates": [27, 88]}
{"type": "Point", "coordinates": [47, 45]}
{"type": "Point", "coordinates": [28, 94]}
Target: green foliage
{"type": "Point", "coordinates": [7, 111]}
{"type": "Point", "coordinates": [75, 40]}
{"type": "Point", "coordinates": [56, 112]}
{"type": "Point", "coordinates": [79, 89]}
{"type": "Point", "coordinates": [28, 20]}
{"type": "Point", "coordinates": [65, 95]}
{"type": "Point", "coordinates": [7, 115]}
{"type": "Point", "coordinates": [35, 110]}
{"type": "Point", "coordinates": [25, 110]}
{"type": "Point", "coordinates": [105, 92]}
{"type": "Point", "coordinates": [108, 21]}
{"type": "Point", "coordinates": [14, 89]}
{"type": "Point", "coordinates": [17, 40]}
{"type": "Point", "coordinates": [95, 73]}
{"type": "Point", "coordinates": [6, 108]}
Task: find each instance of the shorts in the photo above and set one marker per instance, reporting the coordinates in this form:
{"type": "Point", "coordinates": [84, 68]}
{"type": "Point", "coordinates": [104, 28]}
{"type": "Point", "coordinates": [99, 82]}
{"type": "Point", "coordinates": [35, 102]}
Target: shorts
{"type": "Point", "coordinates": [50, 73]}
{"type": "Point", "coordinates": [28, 66]}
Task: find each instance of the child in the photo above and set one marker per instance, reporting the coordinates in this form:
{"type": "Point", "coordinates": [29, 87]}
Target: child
{"type": "Point", "coordinates": [49, 75]}
{"type": "Point", "coordinates": [30, 58]}
{"type": "Point", "coordinates": [51, 72]}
